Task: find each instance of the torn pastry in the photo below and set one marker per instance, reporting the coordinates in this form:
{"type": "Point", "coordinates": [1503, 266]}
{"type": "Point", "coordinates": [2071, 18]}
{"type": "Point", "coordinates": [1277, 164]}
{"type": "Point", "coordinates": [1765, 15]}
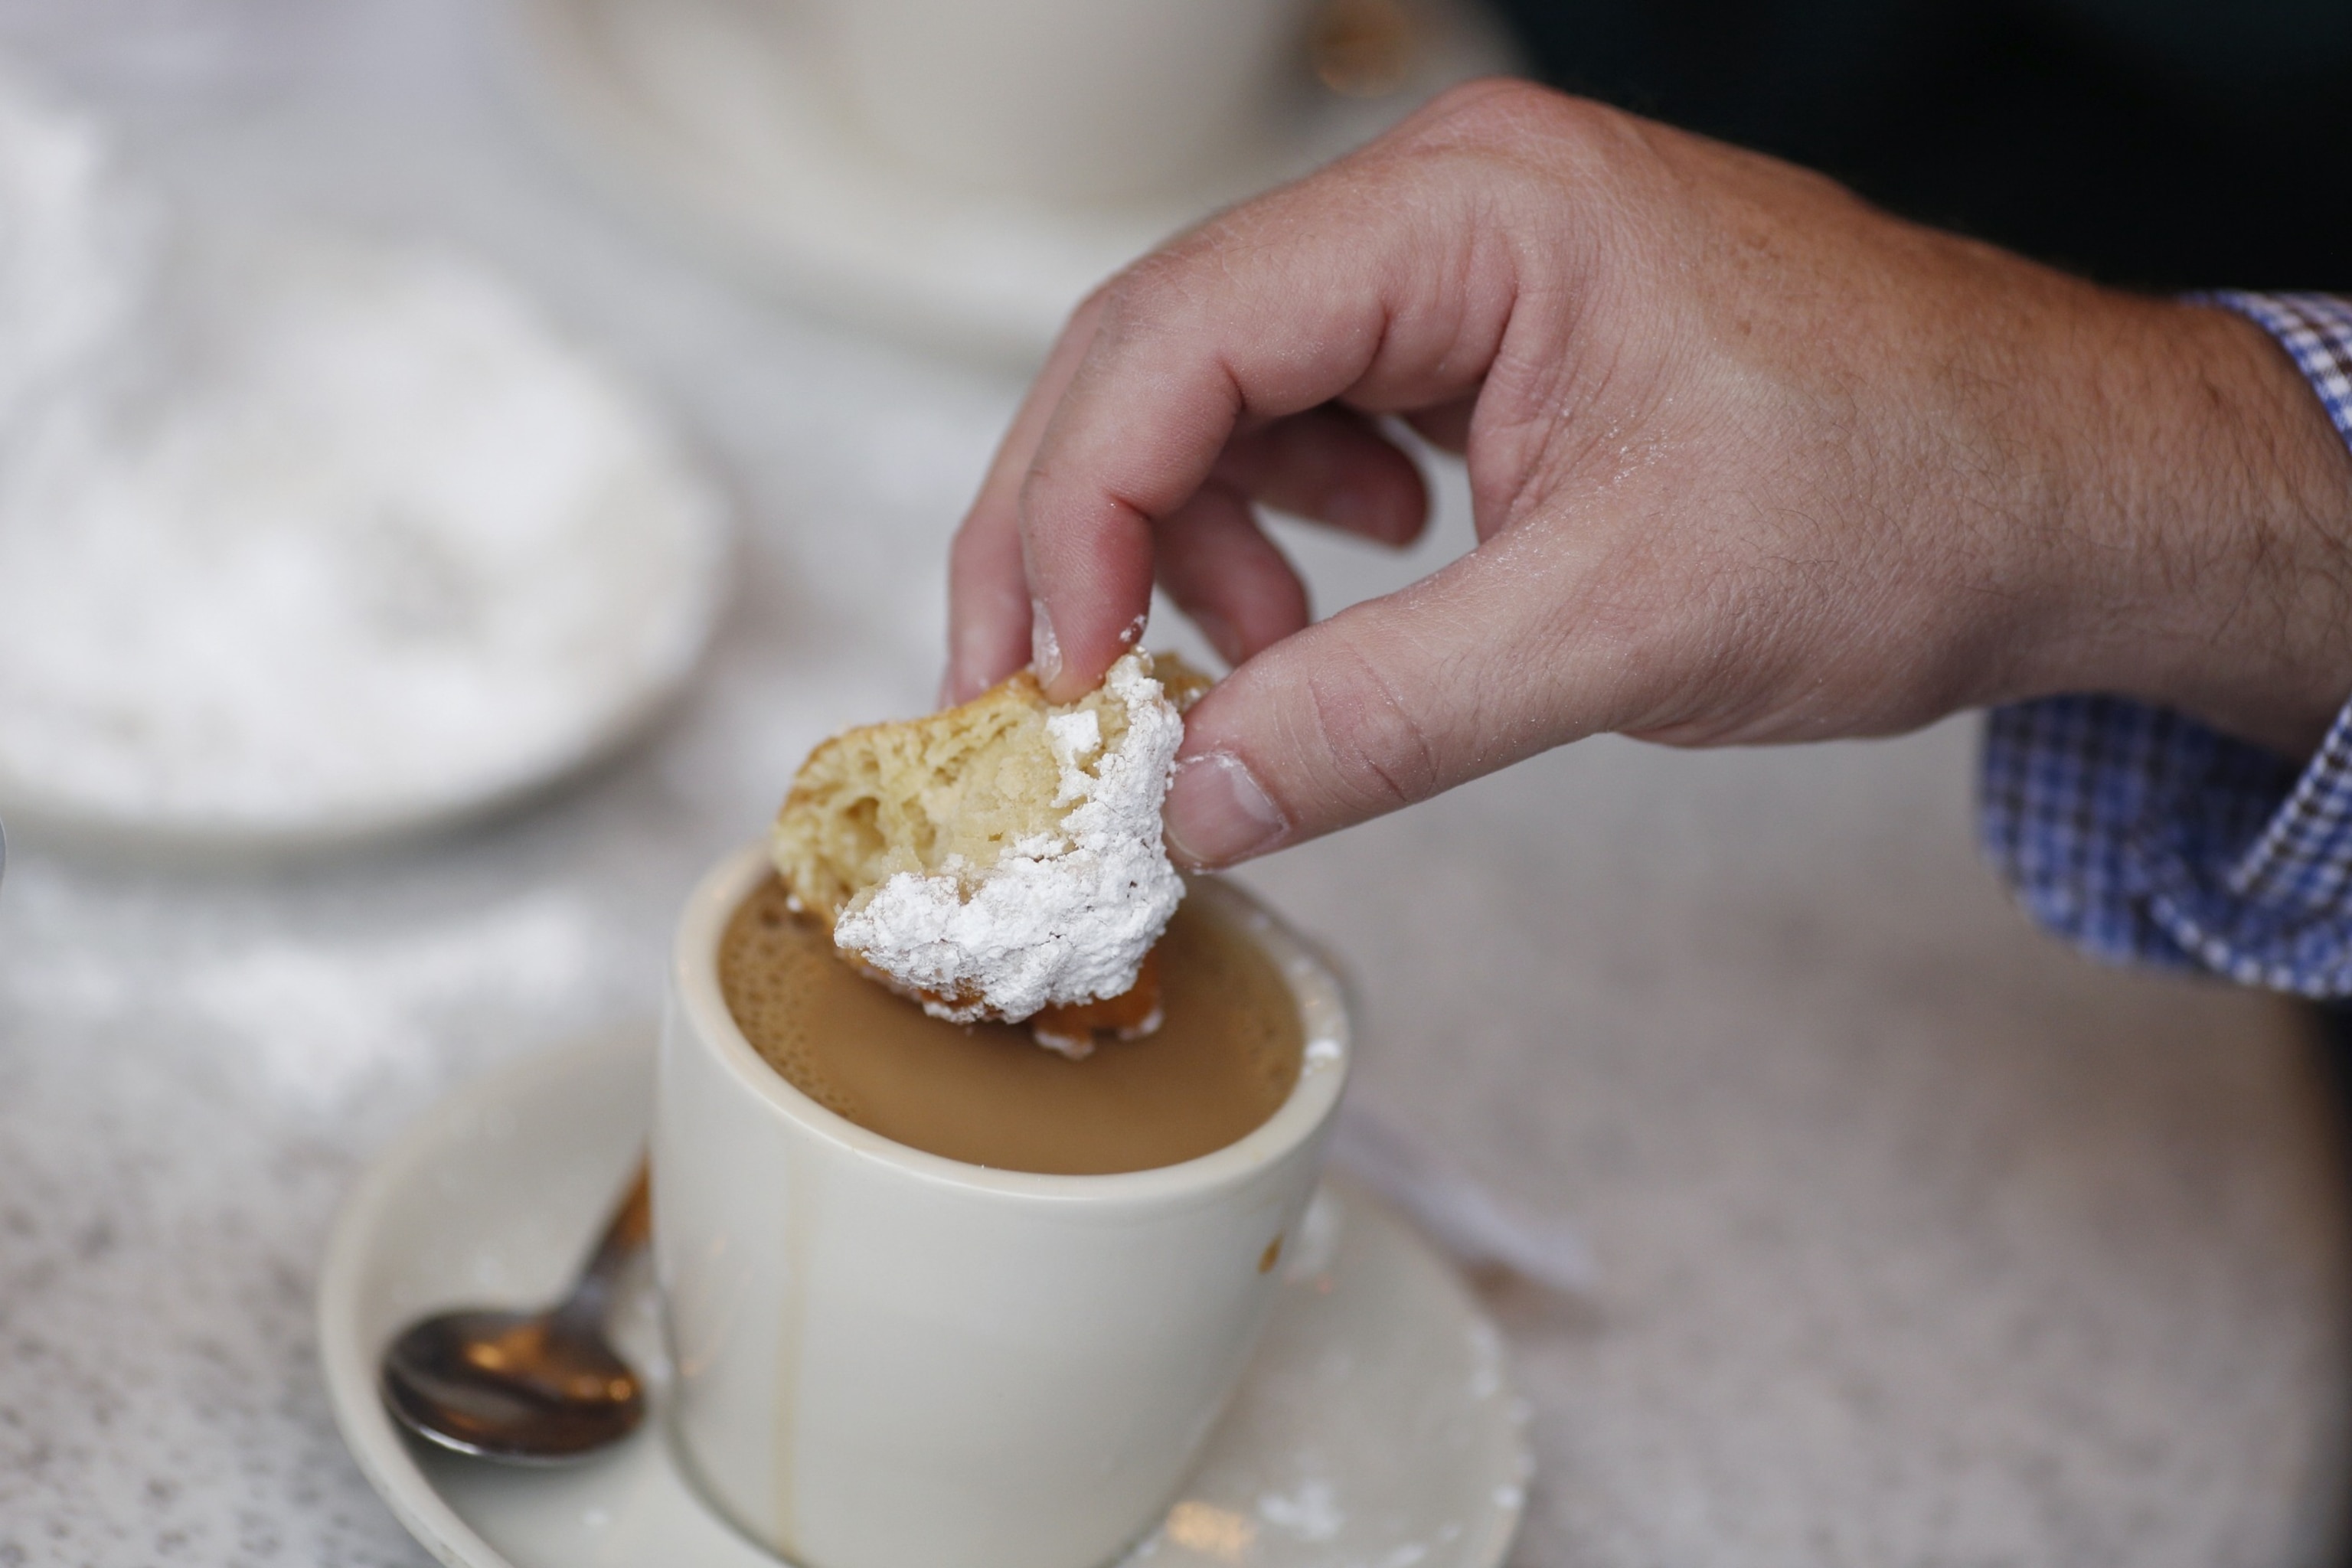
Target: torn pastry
{"type": "Point", "coordinates": [1002, 860]}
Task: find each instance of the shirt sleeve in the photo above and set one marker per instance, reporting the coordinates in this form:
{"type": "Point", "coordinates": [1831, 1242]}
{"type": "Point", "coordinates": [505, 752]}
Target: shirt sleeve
{"type": "Point", "coordinates": [2142, 835]}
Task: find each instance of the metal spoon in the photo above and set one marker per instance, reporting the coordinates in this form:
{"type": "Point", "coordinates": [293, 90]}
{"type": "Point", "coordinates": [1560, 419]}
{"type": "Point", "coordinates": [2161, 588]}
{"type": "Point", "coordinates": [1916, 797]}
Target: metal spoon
{"type": "Point", "coordinates": [528, 1387]}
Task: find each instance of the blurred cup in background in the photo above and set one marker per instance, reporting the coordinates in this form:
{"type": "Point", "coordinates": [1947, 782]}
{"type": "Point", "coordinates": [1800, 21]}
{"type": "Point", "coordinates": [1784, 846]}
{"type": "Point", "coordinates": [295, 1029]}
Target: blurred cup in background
{"type": "Point", "coordinates": [1064, 99]}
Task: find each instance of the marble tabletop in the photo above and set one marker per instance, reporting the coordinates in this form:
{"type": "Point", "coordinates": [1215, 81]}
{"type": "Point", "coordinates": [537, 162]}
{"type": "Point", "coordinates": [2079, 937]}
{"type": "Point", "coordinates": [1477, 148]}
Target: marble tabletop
{"type": "Point", "coordinates": [1919, 1240]}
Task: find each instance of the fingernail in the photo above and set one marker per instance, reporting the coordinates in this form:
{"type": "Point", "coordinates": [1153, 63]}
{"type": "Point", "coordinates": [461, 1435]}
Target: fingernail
{"type": "Point", "coordinates": [1044, 647]}
{"type": "Point", "coordinates": [1218, 813]}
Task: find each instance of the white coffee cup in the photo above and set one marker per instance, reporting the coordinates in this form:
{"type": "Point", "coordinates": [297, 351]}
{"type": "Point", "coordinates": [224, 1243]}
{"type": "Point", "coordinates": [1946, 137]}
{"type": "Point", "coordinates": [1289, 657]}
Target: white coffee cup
{"type": "Point", "coordinates": [886, 1358]}
{"type": "Point", "coordinates": [1063, 100]}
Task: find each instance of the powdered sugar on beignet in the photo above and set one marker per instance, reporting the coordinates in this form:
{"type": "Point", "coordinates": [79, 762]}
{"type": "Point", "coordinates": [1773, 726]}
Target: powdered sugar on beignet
{"type": "Point", "coordinates": [1000, 858]}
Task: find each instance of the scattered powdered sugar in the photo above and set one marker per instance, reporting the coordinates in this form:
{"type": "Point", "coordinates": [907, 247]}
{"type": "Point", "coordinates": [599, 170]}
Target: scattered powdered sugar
{"type": "Point", "coordinates": [1310, 1512]}
{"type": "Point", "coordinates": [1063, 918]}
{"type": "Point", "coordinates": [76, 247]}
{"type": "Point", "coordinates": [303, 536]}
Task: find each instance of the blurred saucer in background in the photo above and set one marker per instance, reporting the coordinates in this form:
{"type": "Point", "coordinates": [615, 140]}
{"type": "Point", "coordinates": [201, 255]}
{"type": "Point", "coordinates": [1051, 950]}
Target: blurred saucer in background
{"type": "Point", "coordinates": [721, 111]}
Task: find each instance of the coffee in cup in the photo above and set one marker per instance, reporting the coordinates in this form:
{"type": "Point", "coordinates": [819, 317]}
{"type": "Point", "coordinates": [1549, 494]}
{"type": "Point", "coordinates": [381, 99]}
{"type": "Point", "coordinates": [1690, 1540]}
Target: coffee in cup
{"type": "Point", "coordinates": [1224, 1059]}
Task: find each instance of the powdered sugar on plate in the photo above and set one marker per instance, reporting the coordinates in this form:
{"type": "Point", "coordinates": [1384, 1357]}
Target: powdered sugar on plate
{"type": "Point", "coordinates": [1064, 916]}
{"type": "Point", "coordinates": [77, 248]}
{"type": "Point", "coordinates": [305, 538]}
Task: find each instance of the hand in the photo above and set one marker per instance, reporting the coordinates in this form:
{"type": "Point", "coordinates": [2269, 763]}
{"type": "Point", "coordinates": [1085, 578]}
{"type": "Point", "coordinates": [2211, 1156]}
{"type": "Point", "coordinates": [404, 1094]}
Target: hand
{"type": "Point", "coordinates": [1750, 461]}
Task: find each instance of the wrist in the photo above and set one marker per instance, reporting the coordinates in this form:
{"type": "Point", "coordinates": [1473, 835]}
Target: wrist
{"type": "Point", "coordinates": [2205, 514]}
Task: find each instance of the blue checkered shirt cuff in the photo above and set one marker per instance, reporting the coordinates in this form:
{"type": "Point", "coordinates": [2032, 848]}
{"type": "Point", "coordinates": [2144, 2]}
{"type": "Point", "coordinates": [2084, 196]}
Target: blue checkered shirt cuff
{"type": "Point", "coordinates": [2142, 835]}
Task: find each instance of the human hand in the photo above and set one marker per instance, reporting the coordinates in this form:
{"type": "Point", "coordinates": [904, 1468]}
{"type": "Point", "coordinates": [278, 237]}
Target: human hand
{"type": "Point", "coordinates": [1750, 460]}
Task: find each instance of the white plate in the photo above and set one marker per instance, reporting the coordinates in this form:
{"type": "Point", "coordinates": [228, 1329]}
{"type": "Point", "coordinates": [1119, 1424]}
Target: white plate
{"type": "Point", "coordinates": [714, 107]}
{"type": "Point", "coordinates": [1376, 1425]}
{"type": "Point", "coordinates": [360, 614]}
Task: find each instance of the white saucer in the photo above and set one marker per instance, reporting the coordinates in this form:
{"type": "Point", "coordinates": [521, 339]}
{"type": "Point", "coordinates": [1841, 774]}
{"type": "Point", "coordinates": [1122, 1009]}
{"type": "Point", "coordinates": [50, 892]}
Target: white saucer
{"type": "Point", "coordinates": [716, 108]}
{"type": "Point", "coordinates": [1375, 1427]}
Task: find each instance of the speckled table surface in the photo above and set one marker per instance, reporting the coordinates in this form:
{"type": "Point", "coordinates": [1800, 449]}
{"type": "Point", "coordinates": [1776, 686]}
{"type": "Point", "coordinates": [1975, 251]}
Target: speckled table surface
{"type": "Point", "coordinates": [1920, 1241]}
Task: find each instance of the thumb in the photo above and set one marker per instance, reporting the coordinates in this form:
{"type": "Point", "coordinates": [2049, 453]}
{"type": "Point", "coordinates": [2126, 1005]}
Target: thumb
{"type": "Point", "coordinates": [1388, 702]}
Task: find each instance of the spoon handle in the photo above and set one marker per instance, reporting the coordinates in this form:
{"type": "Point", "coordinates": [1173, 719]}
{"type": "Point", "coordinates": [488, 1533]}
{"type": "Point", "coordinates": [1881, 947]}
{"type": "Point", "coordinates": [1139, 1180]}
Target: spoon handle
{"type": "Point", "coordinates": [624, 1235]}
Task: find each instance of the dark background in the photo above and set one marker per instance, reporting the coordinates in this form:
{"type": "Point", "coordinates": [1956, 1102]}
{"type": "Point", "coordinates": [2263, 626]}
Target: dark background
{"type": "Point", "coordinates": [2163, 143]}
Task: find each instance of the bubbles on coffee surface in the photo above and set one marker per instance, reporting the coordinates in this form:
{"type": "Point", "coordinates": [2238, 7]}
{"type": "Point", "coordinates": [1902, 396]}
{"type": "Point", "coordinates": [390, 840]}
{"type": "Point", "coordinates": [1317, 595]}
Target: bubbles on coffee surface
{"type": "Point", "coordinates": [767, 964]}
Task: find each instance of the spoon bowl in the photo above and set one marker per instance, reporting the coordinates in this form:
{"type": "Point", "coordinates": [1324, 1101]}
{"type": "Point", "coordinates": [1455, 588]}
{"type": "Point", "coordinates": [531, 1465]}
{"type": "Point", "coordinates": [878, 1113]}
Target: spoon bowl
{"type": "Point", "coordinates": [511, 1386]}
{"type": "Point", "coordinates": [526, 1387]}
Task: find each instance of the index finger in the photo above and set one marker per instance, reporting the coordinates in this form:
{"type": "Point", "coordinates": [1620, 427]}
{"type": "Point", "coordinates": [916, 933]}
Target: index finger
{"type": "Point", "coordinates": [988, 592]}
{"type": "Point", "coordinates": [1365, 283]}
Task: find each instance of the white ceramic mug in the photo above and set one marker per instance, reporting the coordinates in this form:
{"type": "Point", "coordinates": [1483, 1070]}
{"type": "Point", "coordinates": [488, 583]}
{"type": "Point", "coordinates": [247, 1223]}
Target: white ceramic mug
{"type": "Point", "coordinates": [1063, 100]}
{"type": "Point", "coordinates": [887, 1359]}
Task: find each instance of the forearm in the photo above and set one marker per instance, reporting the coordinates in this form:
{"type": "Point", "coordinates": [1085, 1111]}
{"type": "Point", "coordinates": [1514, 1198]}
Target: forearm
{"type": "Point", "coordinates": [2206, 509]}
{"type": "Point", "coordinates": [2134, 829]}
